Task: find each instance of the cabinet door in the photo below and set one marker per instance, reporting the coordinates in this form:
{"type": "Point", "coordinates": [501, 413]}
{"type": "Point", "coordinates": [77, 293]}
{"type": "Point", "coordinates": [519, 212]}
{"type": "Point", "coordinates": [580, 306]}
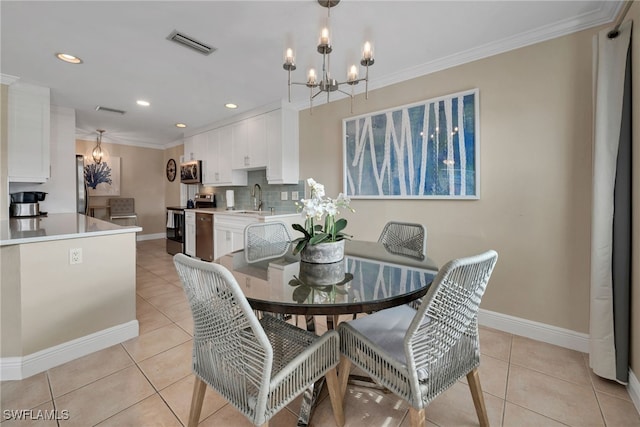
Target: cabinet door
{"type": "Point", "coordinates": [200, 146]}
{"type": "Point", "coordinates": [28, 133]}
{"type": "Point", "coordinates": [190, 233]}
{"type": "Point", "coordinates": [282, 146]}
{"type": "Point", "coordinates": [257, 142]}
{"type": "Point", "coordinates": [222, 241]}
{"type": "Point", "coordinates": [226, 174]}
{"type": "Point", "coordinates": [189, 149]}
{"type": "Point", "coordinates": [210, 159]}
{"type": "Point", "coordinates": [239, 138]}
{"type": "Point", "coordinates": [237, 239]}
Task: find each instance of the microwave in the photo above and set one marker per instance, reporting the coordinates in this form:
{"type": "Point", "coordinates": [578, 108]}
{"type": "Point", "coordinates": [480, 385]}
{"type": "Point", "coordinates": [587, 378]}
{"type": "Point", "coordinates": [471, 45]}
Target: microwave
{"type": "Point", "coordinates": [191, 172]}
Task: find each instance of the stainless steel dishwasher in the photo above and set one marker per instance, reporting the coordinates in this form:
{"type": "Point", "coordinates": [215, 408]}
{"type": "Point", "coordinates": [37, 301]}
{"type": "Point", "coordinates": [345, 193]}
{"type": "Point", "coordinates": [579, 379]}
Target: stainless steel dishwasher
{"type": "Point", "coordinates": [204, 236]}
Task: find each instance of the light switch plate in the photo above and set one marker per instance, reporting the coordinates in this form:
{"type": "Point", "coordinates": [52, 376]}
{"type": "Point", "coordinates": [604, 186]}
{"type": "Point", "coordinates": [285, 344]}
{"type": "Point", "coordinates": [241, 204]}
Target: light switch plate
{"type": "Point", "coordinates": [294, 195]}
{"type": "Point", "coordinates": [284, 195]}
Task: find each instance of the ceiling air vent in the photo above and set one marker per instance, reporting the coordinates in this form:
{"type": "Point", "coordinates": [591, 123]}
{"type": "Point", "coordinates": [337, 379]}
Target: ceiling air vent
{"type": "Point", "coordinates": [109, 110]}
{"type": "Point", "coordinates": [191, 43]}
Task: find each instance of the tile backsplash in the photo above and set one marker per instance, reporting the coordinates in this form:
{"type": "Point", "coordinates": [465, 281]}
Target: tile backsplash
{"type": "Point", "coordinates": [271, 194]}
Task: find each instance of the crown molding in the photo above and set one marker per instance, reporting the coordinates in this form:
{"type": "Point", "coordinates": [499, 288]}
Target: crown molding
{"type": "Point", "coordinates": [7, 79]}
{"type": "Point", "coordinates": [606, 14]}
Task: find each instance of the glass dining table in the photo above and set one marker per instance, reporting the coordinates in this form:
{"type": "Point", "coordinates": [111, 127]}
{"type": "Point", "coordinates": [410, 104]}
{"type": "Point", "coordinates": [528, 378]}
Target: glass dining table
{"type": "Point", "coordinates": [371, 277]}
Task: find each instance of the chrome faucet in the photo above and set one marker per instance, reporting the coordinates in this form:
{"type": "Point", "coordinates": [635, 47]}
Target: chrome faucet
{"type": "Point", "coordinates": [257, 197]}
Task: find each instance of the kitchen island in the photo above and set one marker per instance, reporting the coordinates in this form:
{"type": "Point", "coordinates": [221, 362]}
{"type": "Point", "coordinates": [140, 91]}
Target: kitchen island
{"type": "Point", "coordinates": [67, 289]}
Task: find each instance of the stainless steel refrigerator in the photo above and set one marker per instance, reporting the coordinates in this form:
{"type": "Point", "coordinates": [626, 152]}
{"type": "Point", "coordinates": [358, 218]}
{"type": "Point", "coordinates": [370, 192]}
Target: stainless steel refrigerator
{"type": "Point", "coordinates": [82, 196]}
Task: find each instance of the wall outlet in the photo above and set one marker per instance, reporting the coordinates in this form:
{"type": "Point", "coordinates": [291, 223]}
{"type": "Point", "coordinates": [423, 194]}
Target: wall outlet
{"type": "Point", "coordinates": [284, 195]}
{"type": "Point", "coordinates": [294, 195]}
{"type": "Point", "coordinates": [75, 256]}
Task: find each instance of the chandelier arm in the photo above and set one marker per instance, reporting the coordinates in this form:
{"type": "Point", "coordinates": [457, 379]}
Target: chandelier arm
{"type": "Point", "coordinates": [305, 84]}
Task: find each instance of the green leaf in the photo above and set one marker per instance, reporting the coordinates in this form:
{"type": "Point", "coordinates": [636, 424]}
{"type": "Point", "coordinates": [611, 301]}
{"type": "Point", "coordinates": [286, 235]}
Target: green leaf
{"type": "Point", "coordinates": [301, 229]}
{"type": "Point", "coordinates": [341, 224]}
{"type": "Point", "coordinates": [318, 238]}
{"type": "Point", "coordinates": [300, 246]}
{"type": "Point", "coordinates": [301, 293]}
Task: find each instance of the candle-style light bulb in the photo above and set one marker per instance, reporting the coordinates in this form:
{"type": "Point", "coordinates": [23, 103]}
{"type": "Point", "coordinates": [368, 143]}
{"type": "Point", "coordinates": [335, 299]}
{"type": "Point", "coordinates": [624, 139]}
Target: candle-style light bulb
{"type": "Point", "coordinates": [288, 58]}
{"type": "Point", "coordinates": [311, 77]}
{"type": "Point", "coordinates": [353, 73]}
{"type": "Point", "coordinates": [324, 37]}
{"type": "Point", "coordinates": [367, 52]}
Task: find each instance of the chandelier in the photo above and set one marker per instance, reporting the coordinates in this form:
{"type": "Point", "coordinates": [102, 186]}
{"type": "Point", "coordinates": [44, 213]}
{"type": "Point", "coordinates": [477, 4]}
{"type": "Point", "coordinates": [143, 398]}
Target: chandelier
{"type": "Point", "coordinates": [97, 152]}
{"type": "Point", "coordinates": [326, 83]}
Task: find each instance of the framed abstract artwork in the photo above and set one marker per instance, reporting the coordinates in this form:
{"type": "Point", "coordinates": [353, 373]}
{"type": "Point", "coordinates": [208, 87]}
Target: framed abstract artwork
{"type": "Point", "coordinates": [103, 179]}
{"type": "Point", "coordinates": [425, 150]}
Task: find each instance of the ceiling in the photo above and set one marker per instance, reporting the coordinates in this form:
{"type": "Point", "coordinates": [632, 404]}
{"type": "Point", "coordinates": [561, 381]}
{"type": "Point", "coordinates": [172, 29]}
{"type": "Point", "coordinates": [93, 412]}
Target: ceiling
{"type": "Point", "coordinates": [126, 55]}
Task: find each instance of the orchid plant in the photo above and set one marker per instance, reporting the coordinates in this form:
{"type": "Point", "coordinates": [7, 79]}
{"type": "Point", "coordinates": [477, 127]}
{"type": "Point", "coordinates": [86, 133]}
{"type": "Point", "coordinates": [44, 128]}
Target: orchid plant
{"type": "Point", "coordinates": [314, 210]}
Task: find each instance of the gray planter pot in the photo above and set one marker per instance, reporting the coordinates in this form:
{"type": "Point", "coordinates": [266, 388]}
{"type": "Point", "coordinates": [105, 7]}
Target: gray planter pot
{"type": "Point", "coordinates": [322, 274]}
{"type": "Point", "coordinates": [323, 253]}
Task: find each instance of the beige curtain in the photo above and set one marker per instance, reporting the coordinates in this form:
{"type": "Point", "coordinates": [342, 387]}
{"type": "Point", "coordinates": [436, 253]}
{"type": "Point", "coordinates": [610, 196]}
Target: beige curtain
{"type": "Point", "coordinates": [609, 319]}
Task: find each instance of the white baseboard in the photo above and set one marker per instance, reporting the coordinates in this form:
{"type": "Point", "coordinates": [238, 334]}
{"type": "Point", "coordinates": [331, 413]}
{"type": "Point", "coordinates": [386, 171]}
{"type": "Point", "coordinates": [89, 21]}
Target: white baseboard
{"type": "Point", "coordinates": [634, 390]}
{"type": "Point", "coordinates": [142, 237]}
{"type": "Point", "coordinates": [17, 368]}
{"type": "Point", "coordinates": [535, 330]}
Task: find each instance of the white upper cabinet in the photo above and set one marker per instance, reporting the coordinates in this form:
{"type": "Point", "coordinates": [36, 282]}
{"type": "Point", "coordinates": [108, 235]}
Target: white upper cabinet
{"type": "Point", "coordinates": [282, 146]}
{"type": "Point", "coordinates": [218, 159]}
{"type": "Point", "coordinates": [267, 140]}
{"type": "Point", "coordinates": [29, 157]}
{"type": "Point", "coordinates": [249, 143]}
{"type": "Point", "coordinates": [189, 150]}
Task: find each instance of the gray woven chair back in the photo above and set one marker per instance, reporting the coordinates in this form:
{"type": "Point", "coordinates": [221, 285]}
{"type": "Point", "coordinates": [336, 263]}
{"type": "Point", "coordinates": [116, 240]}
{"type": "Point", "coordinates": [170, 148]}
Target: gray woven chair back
{"type": "Point", "coordinates": [404, 238]}
{"type": "Point", "coordinates": [231, 351]}
{"type": "Point", "coordinates": [259, 366]}
{"type": "Point", "coordinates": [122, 205]}
{"type": "Point", "coordinates": [442, 340]}
{"type": "Point", "coordinates": [265, 240]}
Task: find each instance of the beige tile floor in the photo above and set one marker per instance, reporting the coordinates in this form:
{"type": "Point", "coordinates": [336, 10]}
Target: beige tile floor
{"type": "Point", "coordinates": [146, 381]}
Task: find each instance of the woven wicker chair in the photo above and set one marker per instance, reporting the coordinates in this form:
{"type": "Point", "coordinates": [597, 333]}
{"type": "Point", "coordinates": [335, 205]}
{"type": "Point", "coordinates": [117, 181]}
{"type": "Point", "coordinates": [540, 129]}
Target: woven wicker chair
{"type": "Point", "coordinates": [419, 354]}
{"type": "Point", "coordinates": [264, 240]}
{"type": "Point", "coordinates": [259, 366]}
{"type": "Point", "coordinates": [404, 238]}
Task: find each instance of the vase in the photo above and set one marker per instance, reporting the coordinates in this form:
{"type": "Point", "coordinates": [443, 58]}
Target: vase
{"type": "Point", "coordinates": [322, 274]}
{"type": "Point", "coordinates": [323, 253]}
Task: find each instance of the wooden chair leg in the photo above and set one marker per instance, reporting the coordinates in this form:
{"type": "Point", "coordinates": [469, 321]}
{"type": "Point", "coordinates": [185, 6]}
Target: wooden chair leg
{"type": "Point", "coordinates": [417, 417]}
{"type": "Point", "coordinates": [478, 399]}
{"type": "Point", "coordinates": [199, 388]}
{"type": "Point", "coordinates": [344, 368]}
{"type": "Point", "coordinates": [335, 395]}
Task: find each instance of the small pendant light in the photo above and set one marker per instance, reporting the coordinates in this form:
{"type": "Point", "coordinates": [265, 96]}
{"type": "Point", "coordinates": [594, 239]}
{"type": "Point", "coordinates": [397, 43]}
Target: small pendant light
{"type": "Point", "coordinates": [97, 152]}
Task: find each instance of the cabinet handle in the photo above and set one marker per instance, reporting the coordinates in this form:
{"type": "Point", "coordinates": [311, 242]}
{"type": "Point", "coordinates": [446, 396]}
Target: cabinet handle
{"type": "Point", "coordinates": [228, 235]}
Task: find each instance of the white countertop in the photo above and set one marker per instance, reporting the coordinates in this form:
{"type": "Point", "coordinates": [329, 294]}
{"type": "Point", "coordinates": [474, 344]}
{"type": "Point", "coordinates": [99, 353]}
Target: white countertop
{"type": "Point", "coordinates": [16, 231]}
{"type": "Point", "coordinates": [245, 212]}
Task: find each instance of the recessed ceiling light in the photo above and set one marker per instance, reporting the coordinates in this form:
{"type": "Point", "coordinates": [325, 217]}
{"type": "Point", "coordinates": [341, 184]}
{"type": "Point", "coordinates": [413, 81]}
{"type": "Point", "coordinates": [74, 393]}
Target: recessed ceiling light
{"type": "Point", "coordinates": [143, 103]}
{"type": "Point", "coordinates": [231, 106]}
{"type": "Point", "coordinates": [181, 125]}
{"type": "Point", "coordinates": [68, 58]}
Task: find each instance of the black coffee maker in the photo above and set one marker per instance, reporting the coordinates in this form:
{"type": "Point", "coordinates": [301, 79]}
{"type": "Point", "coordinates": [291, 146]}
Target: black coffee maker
{"type": "Point", "coordinates": [26, 203]}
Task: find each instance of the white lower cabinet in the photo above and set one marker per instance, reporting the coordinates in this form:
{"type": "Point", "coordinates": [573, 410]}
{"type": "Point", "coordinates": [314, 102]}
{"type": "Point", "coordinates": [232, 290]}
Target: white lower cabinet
{"type": "Point", "coordinates": [228, 229]}
{"type": "Point", "coordinates": [190, 233]}
{"type": "Point", "coordinates": [228, 233]}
